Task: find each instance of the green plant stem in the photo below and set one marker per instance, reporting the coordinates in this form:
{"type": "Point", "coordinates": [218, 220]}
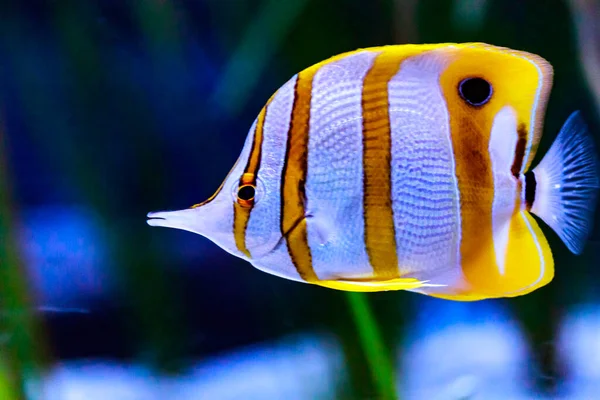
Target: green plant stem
{"type": "Point", "coordinates": [373, 346]}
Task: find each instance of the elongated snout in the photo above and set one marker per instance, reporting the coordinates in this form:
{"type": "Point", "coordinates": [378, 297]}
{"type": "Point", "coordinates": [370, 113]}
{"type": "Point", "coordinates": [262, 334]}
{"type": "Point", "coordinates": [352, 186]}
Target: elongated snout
{"type": "Point", "coordinates": [180, 219]}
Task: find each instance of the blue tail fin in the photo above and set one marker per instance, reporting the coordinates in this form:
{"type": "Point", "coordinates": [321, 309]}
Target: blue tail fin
{"type": "Point", "coordinates": [567, 184]}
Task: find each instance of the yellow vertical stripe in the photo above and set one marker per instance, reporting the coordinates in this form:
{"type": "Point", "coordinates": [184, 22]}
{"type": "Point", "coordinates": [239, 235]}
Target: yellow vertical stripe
{"type": "Point", "coordinates": [241, 216]}
{"type": "Point", "coordinates": [476, 183]}
{"type": "Point", "coordinates": [380, 238]}
{"type": "Point", "coordinates": [470, 130]}
{"type": "Point", "coordinates": [293, 222]}
{"type": "Point", "coordinates": [241, 211]}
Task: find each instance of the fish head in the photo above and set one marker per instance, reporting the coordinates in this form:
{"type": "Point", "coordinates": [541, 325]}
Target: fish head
{"type": "Point", "coordinates": [242, 215]}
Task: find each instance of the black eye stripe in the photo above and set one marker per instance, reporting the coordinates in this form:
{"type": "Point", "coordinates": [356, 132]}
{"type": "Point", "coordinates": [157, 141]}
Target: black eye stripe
{"type": "Point", "coordinates": [475, 91]}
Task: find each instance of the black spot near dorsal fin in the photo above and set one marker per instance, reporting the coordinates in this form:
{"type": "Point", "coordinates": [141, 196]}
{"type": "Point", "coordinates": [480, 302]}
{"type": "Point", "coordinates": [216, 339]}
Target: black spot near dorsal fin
{"type": "Point", "coordinates": [530, 187]}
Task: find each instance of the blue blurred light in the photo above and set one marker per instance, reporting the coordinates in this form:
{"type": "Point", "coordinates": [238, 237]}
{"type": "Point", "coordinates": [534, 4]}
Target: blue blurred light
{"type": "Point", "coordinates": [461, 350]}
{"type": "Point", "coordinates": [299, 367]}
{"type": "Point", "coordinates": [65, 255]}
{"type": "Point", "coordinates": [578, 347]}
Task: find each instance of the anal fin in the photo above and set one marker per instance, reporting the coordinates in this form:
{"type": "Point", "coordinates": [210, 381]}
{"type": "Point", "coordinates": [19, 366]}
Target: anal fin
{"type": "Point", "coordinates": [370, 285]}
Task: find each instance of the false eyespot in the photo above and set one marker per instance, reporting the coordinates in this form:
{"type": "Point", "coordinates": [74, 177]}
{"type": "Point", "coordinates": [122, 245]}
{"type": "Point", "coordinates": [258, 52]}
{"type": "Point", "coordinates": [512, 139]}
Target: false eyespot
{"type": "Point", "coordinates": [475, 91]}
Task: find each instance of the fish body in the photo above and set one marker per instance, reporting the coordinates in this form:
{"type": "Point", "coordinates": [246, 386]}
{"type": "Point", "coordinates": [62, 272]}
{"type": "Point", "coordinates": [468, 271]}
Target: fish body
{"type": "Point", "coordinates": [406, 167]}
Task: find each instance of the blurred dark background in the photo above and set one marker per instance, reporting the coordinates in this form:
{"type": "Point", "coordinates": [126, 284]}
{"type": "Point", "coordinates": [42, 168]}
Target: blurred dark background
{"type": "Point", "coordinates": [110, 109]}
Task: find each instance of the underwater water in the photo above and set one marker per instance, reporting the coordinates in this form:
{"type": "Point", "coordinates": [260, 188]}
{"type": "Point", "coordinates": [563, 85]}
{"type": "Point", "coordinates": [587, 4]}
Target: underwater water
{"type": "Point", "coordinates": [110, 109]}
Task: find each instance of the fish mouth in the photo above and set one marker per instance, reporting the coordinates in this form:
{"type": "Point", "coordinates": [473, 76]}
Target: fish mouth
{"type": "Point", "coordinates": [156, 219]}
{"type": "Point", "coordinates": [179, 219]}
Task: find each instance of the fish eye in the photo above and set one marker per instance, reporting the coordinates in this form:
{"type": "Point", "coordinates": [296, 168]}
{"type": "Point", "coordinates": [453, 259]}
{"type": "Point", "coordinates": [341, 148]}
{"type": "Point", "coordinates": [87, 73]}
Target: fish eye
{"type": "Point", "coordinates": [247, 190]}
{"type": "Point", "coordinates": [475, 91]}
{"type": "Point", "coordinates": [246, 194]}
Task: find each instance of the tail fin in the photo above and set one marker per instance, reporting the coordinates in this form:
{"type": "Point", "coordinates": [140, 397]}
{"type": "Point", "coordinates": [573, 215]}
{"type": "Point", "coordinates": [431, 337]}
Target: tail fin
{"type": "Point", "coordinates": [567, 184]}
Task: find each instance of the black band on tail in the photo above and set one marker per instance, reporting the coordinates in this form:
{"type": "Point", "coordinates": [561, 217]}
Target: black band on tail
{"type": "Point", "coordinates": [530, 185]}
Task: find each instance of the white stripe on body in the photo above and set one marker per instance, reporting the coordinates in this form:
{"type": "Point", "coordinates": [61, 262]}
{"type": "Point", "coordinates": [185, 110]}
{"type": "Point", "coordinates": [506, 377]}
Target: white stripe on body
{"type": "Point", "coordinates": [334, 187]}
{"type": "Point", "coordinates": [426, 198]}
{"type": "Point", "coordinates": [502, 145]}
